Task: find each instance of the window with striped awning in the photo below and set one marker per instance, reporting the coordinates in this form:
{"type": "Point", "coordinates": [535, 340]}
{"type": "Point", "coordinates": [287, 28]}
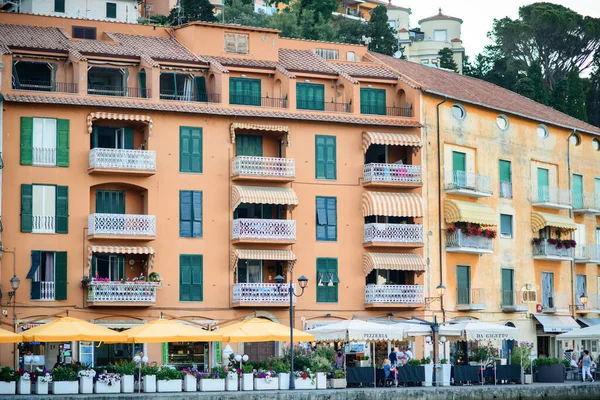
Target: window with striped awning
{"type": "Point", "coordinates": [540, 220]}
{"type": "Point", "coordinates": [392, 204]}
{"type": "Point", "coordinates": [259, 254]}
{"type": "Point", "coordinates": [263, 195]}
{"type": "Point", "coordinates": [474, 213]}
{"type": "Point", "coordinates": [390, 139]}
{"type": "Point", "coordinates": [393, 261]}
{"type": "Point", "coordinates": [118, 117]}
{"type": "Point", "coordinates": [122, 250]}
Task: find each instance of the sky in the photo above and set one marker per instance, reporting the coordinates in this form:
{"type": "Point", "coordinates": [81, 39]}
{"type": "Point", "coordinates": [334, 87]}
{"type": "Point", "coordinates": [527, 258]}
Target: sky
{"type": "Point", "coordinates": [478, 15]}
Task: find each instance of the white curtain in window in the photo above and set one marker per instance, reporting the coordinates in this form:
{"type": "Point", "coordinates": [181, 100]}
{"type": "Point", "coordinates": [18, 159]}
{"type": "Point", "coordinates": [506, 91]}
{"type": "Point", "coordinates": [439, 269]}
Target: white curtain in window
{"type": "Point", "coordinates": [581, 288]}
{"type": "Point", "coordinates": [187, 89]}
{"type": "Point", "coordinates": [254, 270]}
{"type": "Point", "coordinates": [547, 288]}
{"type": "Point", "coordinates": [49, 268]}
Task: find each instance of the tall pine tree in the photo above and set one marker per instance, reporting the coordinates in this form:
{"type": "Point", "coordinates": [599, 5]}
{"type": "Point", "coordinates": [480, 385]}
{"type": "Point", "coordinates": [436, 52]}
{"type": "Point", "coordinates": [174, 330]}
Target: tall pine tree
{"type": "Point", "coordinates": [192, 10]}
{"type": "Point", "coordinates": [381, 33]}
{"type": "Point", "coordinates": [447, 59]}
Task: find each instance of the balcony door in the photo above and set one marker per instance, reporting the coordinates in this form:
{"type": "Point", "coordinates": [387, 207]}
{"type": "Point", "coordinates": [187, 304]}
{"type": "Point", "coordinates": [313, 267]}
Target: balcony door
{"type": "Point", "coordinates": [543, 180]}
{"type": "Point", "coordinates": [580, 236]}
{"type": "Point", "coordinates": [507, 287]}
{"type": "Point", "coordinates": [597, 192]}
{"type": "Point", "coordinates": [577, 191]}
{"type": "Point", "coordinates": [248, 145]}
{"type": "Point", "coordinates": [108, 266]}
{"type": "Point", "coordinates": [547, 289]}
{"type": "Point", "coordinates": [463, 284]}
{"type": "Point", "coordinates": [376, 153]}
{"type": "Point", "coordinates": [110, 137]}
{"type": "Point", "coordinates": [250, 271]}
{"type": "Point", "coordinates": [372, 101]}
{"type": "Point", "coordinates": [459, 170]}
{"type": "Point", "coordinates": [110, 202]}
{"type": "Point", "coordinates": [598, 241]}
{"type": "Point", "coordinates": [42, 275]}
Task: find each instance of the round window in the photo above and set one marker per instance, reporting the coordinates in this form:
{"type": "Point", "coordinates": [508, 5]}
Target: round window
{"type": "Point", "coordinates": [542, 131]}
{"type": "Point", "coordinates": [459, 112]}
{"type": "Point", "coordinates": [596, 144]}
{"type": "Point", "coordinates": [575, 140]}
{"type": "Point", "coordinates": [502, 122]}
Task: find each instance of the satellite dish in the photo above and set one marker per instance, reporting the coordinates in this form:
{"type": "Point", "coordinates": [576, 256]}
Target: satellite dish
{"type": "Point", "coordinates": [398, 54]}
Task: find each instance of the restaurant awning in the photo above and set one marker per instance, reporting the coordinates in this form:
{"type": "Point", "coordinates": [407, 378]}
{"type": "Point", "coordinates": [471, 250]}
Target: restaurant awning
{"type": "Point", "coordinates": [263, 195]}
{"type": "Point", "coordinates": [255, 254]}
{"type": "Point", "coordinates": [464, 211]}
{"type": "Point", "coordinates": [557, 323]}
{"type": "Point", "coordinates": [118, 117]}
{"type": "Point", "coordinates": [257, 127]}
{"type": "Point", "coordinates": [393, 261]}
{"type": "Point", "coordinates": [540, 220]}
{"type": "Point", "coordinates": [392, 204]}
{"type": "Point", "coordinates": [589, 333]}
{"type": "Point", "coordinates": [391, 139]}
{"type": "Point", "coordinates": [589, 321]}
{"type": "Point", "coordinates": [121, 250]}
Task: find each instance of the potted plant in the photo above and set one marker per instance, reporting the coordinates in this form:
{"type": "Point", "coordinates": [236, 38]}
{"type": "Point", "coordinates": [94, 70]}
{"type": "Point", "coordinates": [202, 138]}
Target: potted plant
{"type": "Point", "coordinates": [549, 370]}
{"type": "Point", "coordinates": [190, 379]}
{"type": "Point", "coordinates": [8, 380]}
{"type": "Point", "coordinates": [108, 382]}
{"type": "Point", "coordinates": [364, 362]}
{"type": "Point", "coordinates": [428, 366]}
{"type": "Point", "coordinates": [231, 382]}
{"type": "Point", "coordinates": [265, 380]}
{"type": "Point", "coordinates": [443, 370]}
{"type": "Point", "coordinates": [322, 366]}
{"type": "Point", "coordinates": [282, 368]}
{"type": "Point", "coordinates": [305, 379]}
{"type": "Point", "coordinates": [127, 370]}
{"type": "Point", "coordinates": [168, 380]}
{"type": "Point", "coordinates": [213, 381]}
{"type": "Point", "coordinates": [149, 378]}
{"type": "Point", "coordinates": [521, 355]}
{"type": "Point", "coordinates": [247, 377]}
{"type": "Point", "coordinates": [338, 380]}
{"type": "Point", "coordinates": [24, 382]}
{"type": "Point", "coordinates": [64, 381]}
{"type": "Point", "coordinates": [41, 378]}
{"type": "Point", "coordinates": [86, 380]}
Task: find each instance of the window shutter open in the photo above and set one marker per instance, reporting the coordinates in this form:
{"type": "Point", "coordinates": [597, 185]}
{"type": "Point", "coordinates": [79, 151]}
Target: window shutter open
{"type": "Point", "coordinates": [200, 83]}
{"type": "Point", "coordinates": [196, 291]}
{"type": "Point", "coordinates": [331, 218]}
{"type": "Point", "coordinates": [62, 209]}
{"type": "Point", "coordinates": [26, 140]}
{"type": "Point", "coordinates": [197, 214]}
{"type": "Point", "coordinates": [320, 157]}
{"type": "Point", "coordinates": [185, 213]}
{"type": "Point", "coordinates": [60, 275]}
{"type": "Point", "coordinates": [26, 208]}
{"type": "Point", "coordinates": [121, 261]}
{"type": "Point", "coordinates": [142, 83]}
{"type": "Point", "coordinates": [129, 138]}
{"type": "Point", "coordinates": [330, 155]}
{"type": "Point", "coordinates": [62, 142]}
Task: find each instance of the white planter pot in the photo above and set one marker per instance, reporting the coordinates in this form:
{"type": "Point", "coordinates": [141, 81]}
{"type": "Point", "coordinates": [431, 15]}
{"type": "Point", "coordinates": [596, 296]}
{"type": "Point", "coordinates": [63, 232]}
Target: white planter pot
{"type": "Point", "coordinates": [149, 383]}
{"type": "Point", "coordinates": [189, 383]}
{"type": "Point", "coordinates": [212, 385]}
{"type": "Point", "coordinates": [364, 363]}
{"type": "Point", "coordinates": [86, 385]}
{"type": "Point", "coordinates": [172, 385]}
{"type": "Point", "coordinates": [69, 387]}
{"type": "Point", "coordinates": [24, 386]}
{"type": "Point", "coordinates": [528, 379]}
{"type": "Point", "coordinates": [8, 387]}
{"type": "Point", "coordinates": [41, 387]}
{"type": "Point", "coordinates": [442, 375]}
{"type": "Point", "coordinates": [262, 384]}
{"type": "Point", "coordinates": [428, 375]}
{"type": "Point", "coordinates": [127, 384]}
{"type": "Point", "coordinates": [284, 381]}
{"type": "Point", "coordinates": [321, 380]}
{"type": "Point", "coordinates": [231, 383]}
{"type": "Point", "coordinates": [247, 382]}
{"type": "Point", "coordinates": [306, 384]}
{"type": "Point", "coordinates": [337, 383]}
{"type": "Point", "coordinates": [100, 387]}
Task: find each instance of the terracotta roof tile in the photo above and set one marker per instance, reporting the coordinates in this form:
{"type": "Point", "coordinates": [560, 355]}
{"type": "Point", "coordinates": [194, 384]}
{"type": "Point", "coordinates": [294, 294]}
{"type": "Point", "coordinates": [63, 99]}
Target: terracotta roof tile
{"type": "Point", "coordinates": [198, 108]}
{"type": "Point", "coordinates": [156, 47]}
{"type": "Point", "coordinates": [357, 71]}
{"type": "Point", "coordinates": [480, 92]}
{"type": "Point", "coordinates": [101, 47]}
{"type": "Point", "coordinates": [245, 62]}
{"type": "Point", "coordinates": [212, 61]}
{"type": "Point", "coordinates": [304, 61]}
{"type": "Point", "coordinates": [37, 37]}
{"type": "Point", "coordinates": [285, 72]}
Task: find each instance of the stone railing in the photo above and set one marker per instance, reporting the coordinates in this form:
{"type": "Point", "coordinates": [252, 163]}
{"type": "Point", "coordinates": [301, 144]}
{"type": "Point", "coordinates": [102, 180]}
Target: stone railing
{"type": "Point", "coordinates": [261, 293]}
{"type": "Point", "coordinates": [546, 194]}
{"type": "Point", "coordinates": [392, 173]}
{"type": "Point", "coordinates": [470, 296]}
{"type": "Point", "coordinates": [43, 224]}
{"type": "Point", "coordinates": [549, 250]}
{"type": "Point", "coordinates": [133, 160]}
{"type": "Point", "coordinates": [267, 229]}
{"type": "Point", "coordinates": [44, 156]}
{"type": "Point", "coordinates": [468, 181]}
{"type": "Point", "coordinates": [400, 294]}
{"type": "Point", "coordinates": [459, 240]}
{"type": "Point", "coordinates": [554, 300]}
{"type": "Point", "coordinates": [117, 292]}
{"type": "Point", "coordinates": [47, 290]}
{"type": "Point", "coordinates": [587, 201]}
{"type": "Point", "coordinates": [393, 233]}
{"type": "Point", "coordinates": [506, 190]}
{"type": "Point", "coordinates": [588, 251]}
{"type": "Point", "coordinates": [122, 224]}
{"type": "Point", "coordinates": [268, 167]}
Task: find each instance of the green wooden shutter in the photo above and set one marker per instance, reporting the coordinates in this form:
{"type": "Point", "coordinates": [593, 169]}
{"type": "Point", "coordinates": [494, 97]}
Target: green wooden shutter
{"type": "Point", "coordinates": [332, 291]}
{"type": "Point", "coordinates": [62, 142]}
{"type": "Point", "coordinates": [505, 171]}
{"type": "Point", "coordinates": [111, 10]}
{"type": "Point", "coordinates": [248, 145]}
{"type": "Point", "coordinates": [185, 213]}
{"type": "Point", "coordinates": [185, 277]}
{"type": "Point", "coordinates": [121, 261]}
{"type": "Point", "coordinates": [26, 141]}
{"type": "Point", "coordinates": [543, 182]}
{"type": "Point", "coordinates": [506, 225]}
{"type": "Point", "coordinates": [200, 83]}
{"type": "Point", "coordinates": [235, 91]}
{"type": "Point", "coordinates": [26, 208]}
{"type": "Point", "coordinates": [185, 152]}
{"type": "Point", "coordinates": [331, 218]}
{"type": "Point", "coordinates": [197, 214]}
{"type": "Point", "coordinates": [459, 161]}
{"type": "Point", "coordinates": [321, 218]}
{"type": "Point", "coordinates": [330, 154]}
{"type": "Point", "coordinates": [310, 96]}
{"type": "Point", "coordinates": [372, 101]}
{"type": "Point", "coordinates": [255, 92]}
{"type": "Point", "coordinates": [129, 138]}
{"type": "Point", "coordinates": [364, 107]}
{"type": "Point", "coordinates": [577, 191]}
{"type": "Point", "coordinates": [62, 209]}
{"type": "Point", "coordinates": [197, 290]}
{"type": "Point", "coordinates": [142, 83]}
{"type": "Point", "coordinates": [320, 157]}
{"type": "Point", "coordinates": [321, 290]}
{"type": "Point", "coordinates": [319, 97]}
{"type": "Point", "coordinates": [326, 293]}
{"type": "Point", "coordinates": [60, 275]}
{"type": "Point", "coordinates": [597, 187]}
{"type": "Point", "coordinates": [36, 260]}
{"type": "Point", "coordinates": [508, 297]}
{"type": "Point", "coordinates": [463, 284]}
{"type": "Point", "coordinates": [301, 96]}
{"type": "Point", "coordinates": [94, 137]}
{"type": "Point", "coordinates": [59, 6]}
{"type": "Point", "coordinates": [93, 265]}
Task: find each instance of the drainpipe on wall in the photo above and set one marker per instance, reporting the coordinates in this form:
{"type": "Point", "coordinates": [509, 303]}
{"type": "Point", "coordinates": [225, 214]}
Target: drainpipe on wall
{"type": "Point", "coordinates": [573, 289]}
{"type": "Point", "coordinates": [439, 177]}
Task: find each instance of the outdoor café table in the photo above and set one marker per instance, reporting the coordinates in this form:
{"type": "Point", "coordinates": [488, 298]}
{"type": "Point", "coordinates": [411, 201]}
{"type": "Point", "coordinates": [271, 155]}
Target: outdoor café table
{"type": "Point", "coordinates": [466, 373]}
{"type": "Point", "coordinates": [410, 374]}
{"type": "Point", "coordinates": [360, 375]}
{"type": "Point", "coordinates": [510, 373]}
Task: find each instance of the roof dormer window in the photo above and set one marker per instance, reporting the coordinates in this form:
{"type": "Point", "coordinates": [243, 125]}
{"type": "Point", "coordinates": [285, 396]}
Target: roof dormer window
{"type": "Point", "coordinates": [236, 43]}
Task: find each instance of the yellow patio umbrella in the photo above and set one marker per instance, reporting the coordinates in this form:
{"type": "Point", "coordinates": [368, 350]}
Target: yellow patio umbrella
{"type": "Point", "coordinates": [72, 329]}
{"type": "Point", "coordinates": [261, 330]}
{"type": "Point", "coordinates": [167, 331]}
{"type": "Point", "coordinates": [9, 337]}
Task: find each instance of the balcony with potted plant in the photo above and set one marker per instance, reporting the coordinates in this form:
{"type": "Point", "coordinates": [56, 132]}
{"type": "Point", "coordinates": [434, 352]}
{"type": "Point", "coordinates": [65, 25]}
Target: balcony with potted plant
{"type": "Point", "coordinates": [470, 238]}
{"type": "Point", "coordinates": [553, 249]}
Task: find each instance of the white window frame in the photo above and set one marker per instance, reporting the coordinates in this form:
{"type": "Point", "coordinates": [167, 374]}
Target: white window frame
{"type": "Point", "coordinates": [39, 202]}
{"type": "Point", "coordinates": [435, 33]}
{"type": "Point", "coordinates": [328, 54]}
{"type": "Point", "coordinates": [44, 138]}
{"type": "Point", "coordinates": [512, 234]}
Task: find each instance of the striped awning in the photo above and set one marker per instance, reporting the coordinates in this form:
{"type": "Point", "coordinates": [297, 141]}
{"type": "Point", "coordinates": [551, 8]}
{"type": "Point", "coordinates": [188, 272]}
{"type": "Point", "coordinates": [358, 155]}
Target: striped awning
{"type": "Point", "coordinates": [391, 139]}
{"type": "Point", "coordinates": [393, 261]}
{"type": "Point", "coordinates": [257, 127]}
{"type": "Point", "coordinates": [263, 195]}
{"type": "Point", "coordinates": [122, 250]}
{"type": "Point", "coordinates": [392, 204]}
{"type": "Point", "coordinates": [540, 220]}
{"type": "Point", "coordinates": [119, 117]}
{"type": "Point", "coordinates": [464, 211]}
{"type": "Point", "coordinates": [254, 254]}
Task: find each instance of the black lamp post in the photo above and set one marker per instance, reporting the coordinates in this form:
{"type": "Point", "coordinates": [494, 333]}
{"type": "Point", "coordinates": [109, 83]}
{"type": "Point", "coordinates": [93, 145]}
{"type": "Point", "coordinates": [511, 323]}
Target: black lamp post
{"type": "Point", "coordinates": [302, 283]}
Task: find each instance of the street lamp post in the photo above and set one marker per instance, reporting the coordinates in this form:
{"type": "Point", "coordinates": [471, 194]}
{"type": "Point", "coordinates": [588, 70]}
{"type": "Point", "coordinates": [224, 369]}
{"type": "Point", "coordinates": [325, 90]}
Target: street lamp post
{"type": "Point", "coordinates": [302, 283]}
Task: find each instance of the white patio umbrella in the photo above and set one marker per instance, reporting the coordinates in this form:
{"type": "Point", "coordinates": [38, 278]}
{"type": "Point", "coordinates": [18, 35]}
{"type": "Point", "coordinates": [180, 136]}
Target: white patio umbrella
{"type": "Point", "coordinates": [590, 333]}
{"type": "Point", "coordinates": [479, 331]}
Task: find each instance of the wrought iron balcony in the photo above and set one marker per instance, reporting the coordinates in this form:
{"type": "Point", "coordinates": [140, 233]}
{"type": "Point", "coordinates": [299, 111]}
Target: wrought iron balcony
{"type": "Point", "coordinates": [396, 295]}
{"type": "Point", "coordinates": [544, 250]}
{"type": "Point", "coordinates": [180, 95]}
{"type": "Point", "coordinates": [550, 197]}
{"type": "Point", "coordinates": [586, 203]}
{"type": "Point", "coordinates": [587, 253]}
{"type": "Point", "coordinates": [388, 111]}
{"type": "Point", "coordinates": [395, 174]}
{"type": "Point", "coordinates": [118, 91]}
{"type": "Point", "coordinates": [127, 293]}
{"type": "Point", "coordinates": [458, 242]}
{"type": "Point", "coordinates": [264, 168]}
{"type": "Point", "coordinates": [267, 294]}
{"type": "Point", "coordinates": [512, 301]}
{"type": "Point", "coordinates": [468, 184]}
{"type": "Point", "coordinates": [470, 299]}
{"type": "Point", "coordinates": [326, 106]}
{"type": "Point", "coordinates": [43, 224]}
{"type": "Point", "coordinates": [45, 86]}
{"type": "Point", "coordinates": [44, 156]}
{"type": "Point", "coordinates": [141, 162]}
{"type": "Point", "coordinates": [254, 229]}
{"type": "Point", "coordinates": [555, 302]}
{"type": "Point", "coordinates": [407, 235]}
{"type": "Point", "coordinates": [133, 226]}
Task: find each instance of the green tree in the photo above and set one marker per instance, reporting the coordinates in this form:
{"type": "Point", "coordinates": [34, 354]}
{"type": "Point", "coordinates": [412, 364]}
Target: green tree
{"type": "Point", "coordinates": [525, 87]}
{"type": "Point", "coordinates": [313, 27]}
{"type": "Point", "coordinates": [559, 95]}
{"type": "Point", "coordinates": [381, 33]}
{"type": "Point", "coordinates": [576, 106]}
{"type": "Point", "coordinates": [593, 94]}
{"type": "Point", "coordinates": [241, 12]}
{"type": "Point", "coordinates": [350, 30]}
{"type": "Point", "coordinates": [321, 8]}
{"type": "Point", "coordinates": [287, 22]}
{"type": "Point", "coordinates": [192, 10]}
{"type": "Point", "coordinates": [534, 73]}
{"type": "Point", "coordinates": [446, 56]}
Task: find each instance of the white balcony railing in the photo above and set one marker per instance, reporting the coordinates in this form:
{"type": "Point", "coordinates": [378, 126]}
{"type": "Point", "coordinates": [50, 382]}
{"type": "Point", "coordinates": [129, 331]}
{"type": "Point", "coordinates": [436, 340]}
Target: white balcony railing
{"type": "Point", "coordinates": [554, 300]}
{"type": "Point", "coordinates": [117, 292]}
{"type": "Point", "coordinates": [122, 224]}
{"type": "Point", "coordinates": [263, 229]}
{"type": "Point", "coordinates": [551, 195]}
{"type": "Point", "coordinates": [267, 167]}
{"type": "Point", "coordinates": [461, 180]}
{"type": "Point", "coordinates": [43, 224]}
{"type": "Point", "coordinates": [394, 294]}
{"type": "Point", "coordinates": [44, 156]}
{"type": "Point", "coordinates": [512, 299]}
{"type": "Point", "coordinates": [47, 290]}
{"type": "Point", "coordinates": [392, 173]}
{"type": "Point", "coordinates": [262, 293]}
{"type": "Point", "coordinates": [506, 190]}
{"type": "Point", "coordinates": [586, 201]}
{"type": "Point", "coordinates": [470, 297]}
{"type": "Point", "coordinates": [588, 251]}
{"type": "Point", "coordinates": [546, 249]}
{"type": "Point", "coordinates": [393, 233]}
{"type": "Point", "coordinates": [458, 240]}
{"type": "Point", "coordinates": [131, 160]}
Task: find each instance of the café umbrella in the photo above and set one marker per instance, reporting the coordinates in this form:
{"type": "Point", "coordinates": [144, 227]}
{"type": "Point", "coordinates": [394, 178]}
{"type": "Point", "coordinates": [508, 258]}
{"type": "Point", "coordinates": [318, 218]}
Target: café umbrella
{"type": "Point", "coordinates": [589, 333]}
{"type": "Point", "coordinates": [473, 330]}
{"type": "Point", "coordinates": [261, 330]}
{"type": "Point", "coordinates": [9, 337]}
{"type": "Point", "coordinates": [68, 329]}
{"type": "Point", "coordinates": [169, 331]}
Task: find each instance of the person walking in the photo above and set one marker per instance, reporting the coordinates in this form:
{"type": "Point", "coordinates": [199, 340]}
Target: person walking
{"type": "Point", "coordinates": [586, 365]}
{"type": "Point", "coordinates": [392, 357]}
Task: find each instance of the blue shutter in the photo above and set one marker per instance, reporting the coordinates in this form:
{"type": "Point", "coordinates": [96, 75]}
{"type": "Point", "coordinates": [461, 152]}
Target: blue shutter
{"type": "Point", "coordinates": [185, 213]}
{"type": "Point", "coordinates": [320, 157]}
{"type": "Point", "coordinates": [331, 218]}
{"type": "Point", "coordinates": [197, 214]}
{"type": "Point", "coordinates": [330, 157]}
{"type": "Point", "coordinates": [36, 260]}
{"type": "Point", "coordinates": [321, 218]}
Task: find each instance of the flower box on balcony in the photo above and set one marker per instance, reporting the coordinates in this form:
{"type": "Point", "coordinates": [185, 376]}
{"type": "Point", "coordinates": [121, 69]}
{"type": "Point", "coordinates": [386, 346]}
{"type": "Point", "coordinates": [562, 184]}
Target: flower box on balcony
{"type": "Point", "coordinates": [212, 385]}
{"type": "Point", "coordinates": [171, 385]}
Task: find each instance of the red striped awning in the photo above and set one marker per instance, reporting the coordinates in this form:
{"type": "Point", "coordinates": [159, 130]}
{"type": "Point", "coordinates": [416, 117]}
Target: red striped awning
{"type": "Point", "coordinates": [122, 250]}
{"type": "Point", "coordinates": [390, 139]}
{"type": "Point", "coordinates": [393, 261]}
{"type": "Point", "coordinates": [119, 117]}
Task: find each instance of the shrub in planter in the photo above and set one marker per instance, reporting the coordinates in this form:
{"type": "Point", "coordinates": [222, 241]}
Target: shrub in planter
{"type": "Point", "coordinates": [305, 379]}
{"type": "Point", "coordinates": [64, 381]}
{"type": "Point", "coordinates": [127, 370]}
{"type": "Point", "coordinates": [443, 373]}
{"type": "Point", "coordinates": [41, 378]}
{"type": "Point", "coordinates": [231, 381]}
{"type": "Point", "coordinates": [24, 382]}
{"type": "Point", "coordinates": [247, 377]}
{"type": "Point", "coordinates": [190, 379]}
{"type": "Point", "coordinates": [108, 382]}
{"type": "Point", "coordinates": [8, 380]}
{"type": "Point", "coordinates": [549, 370]}
{"type": "Point", "coordinates": [414, 363]}
{"type": "Point", "coordinates": [168, 380]}
{"type": "Point", "coordinates": [265, 380]}
{"type": "Point", "coordinates": [282, 368]}
{"type": "Point", "coordinates": [149, 379]}
{"type": "Point", "coordinates": [213, 381]}
{"type": "Point", "coordinates": [86, 380]}
{"type": "Point", "coordinates": [338, 379]}
{"type": "Point", "coordinates": [322, 366]}
{"type": "Point", "coordinates": [426, 363]}
{"type": "Point", "coordinates": [521, 355]}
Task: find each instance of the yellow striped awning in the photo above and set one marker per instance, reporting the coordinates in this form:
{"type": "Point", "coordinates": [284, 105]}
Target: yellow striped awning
{"type": "Point", "coordinates": [255, 254]}
{"type": "Point", "coordinates": [119, 117]}
{"type": "Point", "coordinates": [392, 204]}
{"type": "Point", "coordinates": [464, 211]}
{"type": "Point", "coordinates": [257, 127]}
{"type": "Point", "coordinates": [122, 250]}
{"type": "Point", "coordinates": [540, 220]}
{"type": "Point", "coordinates": [263, 195]}
{"type": "Point", "coordinates": [391, 139]}
{"type": "Point", "coordinates": [393, 261]}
